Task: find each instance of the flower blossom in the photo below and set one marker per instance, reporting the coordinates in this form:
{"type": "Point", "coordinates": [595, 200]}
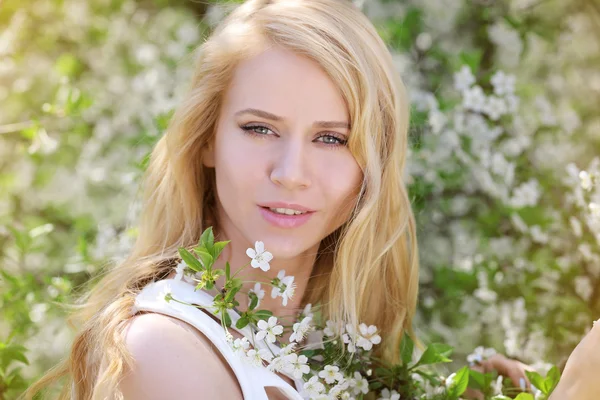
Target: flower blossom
{"type": "Point", "coordinates": [300, 329]}
{"type": "Point", "coordinates": [284, 287]}
{"type": "Point", "coordinates": [269, 330]}
{"type": "Point", "coordinates": [313, 387]}
{"type": "Point", "coordinates": [258, 291]}
{"type": "Point", "coordinates": [330, 374]}
{"type": "Point", "coordinates": [368, 337]}
{"type": "Point", "coordinates": [296, 365]}
{"type": "Point", "coordinates": [260, 257]}
{"type": "Point", "coordinates": [387, 395]}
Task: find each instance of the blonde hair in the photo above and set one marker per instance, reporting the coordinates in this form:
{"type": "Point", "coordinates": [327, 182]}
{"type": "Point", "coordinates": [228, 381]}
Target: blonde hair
{"type": "Point", "coordinates": [370, 276]}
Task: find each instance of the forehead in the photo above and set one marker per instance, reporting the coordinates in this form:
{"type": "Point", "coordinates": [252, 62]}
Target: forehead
{"type": "Point", "coordinates": [287, 84]}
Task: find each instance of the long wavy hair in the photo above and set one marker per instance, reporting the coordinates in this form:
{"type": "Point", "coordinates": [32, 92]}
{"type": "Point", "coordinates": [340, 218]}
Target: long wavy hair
{"type": "Point", "coordinates": [366, 271]}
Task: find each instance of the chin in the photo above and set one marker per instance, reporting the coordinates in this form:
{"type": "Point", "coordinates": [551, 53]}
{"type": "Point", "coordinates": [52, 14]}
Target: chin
{"type": "Point", "coordinates": [284, 248]}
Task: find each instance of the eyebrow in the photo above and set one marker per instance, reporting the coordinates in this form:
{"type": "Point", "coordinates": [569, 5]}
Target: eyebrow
{"type": "Point", "coordinates": [273, 117]}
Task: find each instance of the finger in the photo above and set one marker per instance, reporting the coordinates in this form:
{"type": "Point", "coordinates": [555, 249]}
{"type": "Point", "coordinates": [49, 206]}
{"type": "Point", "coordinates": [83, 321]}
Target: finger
{"type": "Point", "coordinates": [474, 394]}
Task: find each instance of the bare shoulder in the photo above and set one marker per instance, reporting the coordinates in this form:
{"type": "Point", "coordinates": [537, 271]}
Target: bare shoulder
{"type": "Point", "coordinates": [172, 359]}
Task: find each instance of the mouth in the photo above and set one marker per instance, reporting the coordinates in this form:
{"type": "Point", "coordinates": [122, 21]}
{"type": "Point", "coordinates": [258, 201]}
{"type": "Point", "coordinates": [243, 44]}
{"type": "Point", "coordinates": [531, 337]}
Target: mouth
{"type": "Point", "coordinates": [286, 211]}
{"type": "Point", "coordinates": [285, 215]}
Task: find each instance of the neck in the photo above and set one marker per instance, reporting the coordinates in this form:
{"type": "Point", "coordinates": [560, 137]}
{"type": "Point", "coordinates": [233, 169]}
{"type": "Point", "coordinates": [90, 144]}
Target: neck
{"type": "Point", "coordinates": [300, 267]}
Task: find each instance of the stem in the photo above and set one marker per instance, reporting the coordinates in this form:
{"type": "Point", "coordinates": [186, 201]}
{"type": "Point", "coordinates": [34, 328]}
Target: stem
{"type": "Point", "coordinates": [240, 270]}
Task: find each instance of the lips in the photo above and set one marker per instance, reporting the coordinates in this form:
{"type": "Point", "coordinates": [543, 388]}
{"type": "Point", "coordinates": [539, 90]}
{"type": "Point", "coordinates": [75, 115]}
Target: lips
{"type": "Point", "coordinates": [289, 206]}
{"type": "Point", "coordinates": [285, 215]}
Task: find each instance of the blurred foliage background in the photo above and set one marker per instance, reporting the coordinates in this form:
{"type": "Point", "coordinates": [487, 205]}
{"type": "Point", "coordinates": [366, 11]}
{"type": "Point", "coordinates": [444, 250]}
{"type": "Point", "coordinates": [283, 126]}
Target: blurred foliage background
{"type": "Point", "coordinates": [504, 168]}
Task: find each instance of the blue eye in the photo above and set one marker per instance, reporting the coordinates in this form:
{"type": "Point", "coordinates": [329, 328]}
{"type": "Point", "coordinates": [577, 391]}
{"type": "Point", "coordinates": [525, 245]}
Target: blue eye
{"type": "Point", "coordinates": [256, 129]}
{"type": "Point", "coordinates": [332, 140]}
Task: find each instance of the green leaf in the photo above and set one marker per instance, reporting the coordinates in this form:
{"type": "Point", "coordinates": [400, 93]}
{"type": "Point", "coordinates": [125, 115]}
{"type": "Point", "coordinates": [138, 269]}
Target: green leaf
{"type": "Point", "coordinates": [190, 260]}
{"type": "Point", "coordinates": [472, 59]}
{"type": "Point", "coordinates": [242, 322]}
{"type": "Point", "coordinates": [231, 293]}
{"type": "Point", "coordinates": [205, 258]}
{"type": "Point", "coordinates": [459, 383]}
{"type": "Point", "coordinates": [525, 396]}
{"type": "Point", "coordinates": [226, 318]}
{"type": "Point", "coordinates": [375, 385]}
{"type": "Point", "coordinates": [227, 270]}
{"type": "Point", "coordinates": [407, 347]}
{"type": "Point", "coordinates": [477, 380]}
{"type": "Point", "coordinates": [263, 314]}
{"type": "Point", "coordinates": [253, 301]}
{"type": "Point", "coordinates": [208, 239]}
{"type": "Point", "coordinates": [552, 379]}
{"type": "Point", "coordinates": [68, 65]}
{"type": "Point", "coordinates": [435, 353]}
{"type": "Point", "coordinates": [537, 380]}
{"type": "Point", "coordinates": [218, 248]}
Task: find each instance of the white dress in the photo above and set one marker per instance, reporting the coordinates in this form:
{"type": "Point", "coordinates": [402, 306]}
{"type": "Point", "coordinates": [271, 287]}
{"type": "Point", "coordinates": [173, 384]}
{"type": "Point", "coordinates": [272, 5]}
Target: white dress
{"type": "Point", "coordinates": [252, 379]}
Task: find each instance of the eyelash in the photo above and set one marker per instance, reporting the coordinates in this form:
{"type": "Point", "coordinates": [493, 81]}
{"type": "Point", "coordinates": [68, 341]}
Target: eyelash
{"type": "Point", "coordinates": [249, 129]}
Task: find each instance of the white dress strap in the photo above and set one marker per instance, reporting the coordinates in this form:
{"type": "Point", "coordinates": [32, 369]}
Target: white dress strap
{"type": "Point", "coordinates": [252, 379]}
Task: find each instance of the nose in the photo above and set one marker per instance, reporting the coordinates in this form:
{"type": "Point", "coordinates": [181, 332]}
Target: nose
{"type": "Point", "coordinates": [290, 168]}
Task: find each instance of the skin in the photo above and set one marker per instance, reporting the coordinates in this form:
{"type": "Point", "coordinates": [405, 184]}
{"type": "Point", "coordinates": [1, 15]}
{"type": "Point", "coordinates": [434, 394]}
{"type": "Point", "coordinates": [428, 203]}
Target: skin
{"type": "Point", "coordinates": [286, 159]}
{"type": "Point", "coordinates": [289, 160]}
{"type": "Point", "coordinates": [579, 379]}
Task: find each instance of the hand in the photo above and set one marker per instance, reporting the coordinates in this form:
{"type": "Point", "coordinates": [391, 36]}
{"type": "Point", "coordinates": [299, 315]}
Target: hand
{"type": "Point", "coordinates": [506, 367]}
{"type": "Point", "coordinates": [579, 379]}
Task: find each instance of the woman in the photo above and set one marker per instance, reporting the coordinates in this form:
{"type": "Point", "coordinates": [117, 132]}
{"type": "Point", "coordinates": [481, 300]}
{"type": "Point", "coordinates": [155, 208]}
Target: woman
{"type": "Point", "coordinates": [295, 108]}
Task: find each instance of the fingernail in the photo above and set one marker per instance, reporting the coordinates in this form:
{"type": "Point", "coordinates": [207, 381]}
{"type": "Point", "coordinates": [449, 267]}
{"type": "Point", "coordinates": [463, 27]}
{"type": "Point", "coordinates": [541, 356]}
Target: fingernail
{"type": "Point", "coordinates": [522, 383]}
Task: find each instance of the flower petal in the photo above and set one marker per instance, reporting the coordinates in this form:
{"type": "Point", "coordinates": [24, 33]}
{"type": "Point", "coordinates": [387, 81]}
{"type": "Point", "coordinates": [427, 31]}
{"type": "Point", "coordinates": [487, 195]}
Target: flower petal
{"type": "Point", "coordinates": [266, 256]}
{"type": "Point", "coordinates": [250, 252]}
{"type": "Point", "coordinates": [265, 266]}
{"type": "Point", "coordinates": [259, 246]}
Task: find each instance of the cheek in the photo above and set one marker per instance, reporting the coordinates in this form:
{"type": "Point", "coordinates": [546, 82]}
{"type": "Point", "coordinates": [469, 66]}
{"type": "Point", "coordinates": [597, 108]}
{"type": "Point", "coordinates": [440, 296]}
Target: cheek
{"type": "Point", "coordinates": [342, 181]}
{"type": "Point", "coordinates": [238, 169]}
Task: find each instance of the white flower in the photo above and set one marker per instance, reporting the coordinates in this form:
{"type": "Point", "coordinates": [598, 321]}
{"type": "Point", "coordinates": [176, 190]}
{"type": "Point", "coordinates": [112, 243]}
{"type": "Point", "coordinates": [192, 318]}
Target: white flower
{"type": "Point", "coordinates": [253, 357]}
{"type": "Point", "coordinates": [285, 287]}
{"type": "Point", "coordinates": [277, 364]}
{"type": "Point", "coordinates": [296, 365]}
{"type": "Point", "coordinates": [180, 270]}
{"type": "Point", "coordinates": [479, 354]}
{"type": "Point", "coordinates": [300, 329]}
{"type": "Point", "coordinates": [359, 384]}
{"type": "Point", "coordinates": [503, 83]}
{"type": "Point", "coordinates": [240, 345]}
{"type": "Point", "coordinates": [495, 107]}
{"type": "Point", "coordinates": [313, 387]}
{"type": "Point", "coordinates": [265, 354]}
{"type": "Point", "coordinates": [350, 338]}
{"type": "Point", "coordinates": [387, 395]}
{"type": "Point", "coordinates": [307, 310]}
{"type": "Point", "coordinates": [289, 349]}
{"type": "Point", "coordinates": [497, 385]}
{"type": "Point", "coordinates": [260, 257]}
{"type": "Point", "coordinates": [474, 99]}
{"type": "Point", "coordinates": [259, 292]}
{"type": "Point", "coordinates": [331, 373]}
{"type": "Point", "coordinates": [269, 330]}
{"type": "Point", "coordinates": [368, 337]}
{"type": "Point", "coordinates": [165, 294]}
{"type": "Point", "coordinates": [586, 180]}
{"type": "Point", "coordinates": [464, 78]}
{"type": "Point", "coordinates": [450, 380]}
{"type": "Point", "coordinates": [333, 329]}
{"type": "Point", "coordinates": [437, 120]}
{"type": "Point", "coordinates": [583, 287]}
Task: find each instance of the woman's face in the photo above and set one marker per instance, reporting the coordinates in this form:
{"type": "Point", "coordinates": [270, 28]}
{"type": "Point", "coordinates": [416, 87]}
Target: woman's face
{"type": "Point", "coordinates": [280, 149]}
